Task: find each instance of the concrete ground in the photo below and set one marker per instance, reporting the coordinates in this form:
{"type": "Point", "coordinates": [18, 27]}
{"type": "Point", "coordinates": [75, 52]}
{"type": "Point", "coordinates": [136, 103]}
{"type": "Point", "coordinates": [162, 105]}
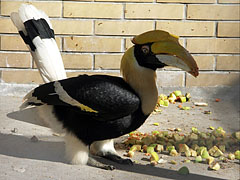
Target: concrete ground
{"type": "Point", "coordinates": [25, 157]}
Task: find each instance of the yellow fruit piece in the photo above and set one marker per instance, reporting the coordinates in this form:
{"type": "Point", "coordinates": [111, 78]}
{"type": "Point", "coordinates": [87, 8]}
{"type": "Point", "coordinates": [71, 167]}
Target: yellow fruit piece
{"type": "Point", "coordinates": [210, 160]}
{"type": "Point", "coordinates": [214, 166]}
{"type": "Point", "coordinates": [154, 156]}
{"type": "Point", "coordinates": [231, 156]}
{"type": "Point", "coordinates": [173, 152]}
{"type": "Point", "coordinates": [156, 124]}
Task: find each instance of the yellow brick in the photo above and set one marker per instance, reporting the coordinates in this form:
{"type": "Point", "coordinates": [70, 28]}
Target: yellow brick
{"type": "Point", "coordinates": [77, 61]}
{"type": "Point", "coordinates": [228, 63]}
{"type": "Point", "coordinates": [21, 76]}
{"type": "Point", "coordinates": [125, 0]}
{"type": "Point", "coordinates": [187, 1]}
{"type": "Point", "coordinates": [92, 10]}
{"type": "Point", "coordinates": [7, 26]}
{"type": "Point", "coordinates": [129, 44]}
{"type": "Point", "coordinates": [122, 27]}
{"type": "Point", "coordinates": [229, 1]}
{"type": "Point", "coordinates": [108, 61]}
{"type": "Point", "coordinates": [13, 43]}
{"type": "Point", "coordinates": [52, 9]}
{"type": "Point", "coordinates": [204, 62]}
{"type": "Point", "coordinates": [228, 29]}
{"type": "Point", "coordinates": [223, 45]}
{"type": "Point", "coordinates": [154, 11]}
{"type": "Point", "coordinates": [186, 28]}
{"type": "Point", "coordinates": [92, 44]}
{"type": "Point", "coordinates": [16, 43]}
{"type": "Point", "coordinates": [77, 73]}
{"type": "Point", "coordinates": [170, 78]}
{"type": "Point", "coordinates": [22, 60]}
{"type": "Point", "coordinates": [213, 79]}
{"type": "Point", "coordinates": [213, 12]}
{"type": "Point", "coordinates": [72, 27]}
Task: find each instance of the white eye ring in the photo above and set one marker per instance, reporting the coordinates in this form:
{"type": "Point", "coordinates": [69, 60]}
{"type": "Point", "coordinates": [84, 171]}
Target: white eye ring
{"type": "Point", "coordinates": [145, 49]}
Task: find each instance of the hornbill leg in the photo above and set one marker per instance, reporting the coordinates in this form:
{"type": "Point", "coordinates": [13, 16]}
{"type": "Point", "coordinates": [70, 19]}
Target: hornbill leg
{"type": "Point", "coordinates": [106, 149]}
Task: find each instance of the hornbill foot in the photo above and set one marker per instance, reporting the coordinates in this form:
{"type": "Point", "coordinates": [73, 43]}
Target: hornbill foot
{"type": "Point", "coordinates": [94, 163]}
{"type": "Point", "coordinates": [118, 159]}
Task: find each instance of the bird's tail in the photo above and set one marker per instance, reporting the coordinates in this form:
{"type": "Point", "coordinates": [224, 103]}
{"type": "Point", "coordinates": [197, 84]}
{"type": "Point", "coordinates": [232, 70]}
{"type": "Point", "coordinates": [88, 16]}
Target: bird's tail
{"type": "Point", "coordinates": [36, 30]}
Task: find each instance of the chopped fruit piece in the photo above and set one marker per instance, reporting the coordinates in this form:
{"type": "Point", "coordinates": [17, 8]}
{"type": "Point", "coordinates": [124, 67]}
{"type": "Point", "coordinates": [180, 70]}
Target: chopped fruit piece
{"type": "Point", "coordinates": [156, 124]}
{"type": "Point", "coordinates": [183, 170]}
{"type": "Point", "coordinates": [210, 160]}
{"type": "Point", "coordinates": [231, 156]}
{"type": "Point", "coordinates": [154, 156]}
{"type": "Point", "coordinates": [214, 166]}
{"type": "Point", "coordinates": [217, 100]}
{"type": "Point", "coordinates": [200, 104]}
{"type": "Point", "coordinates": [183, 99]}
{"type": "Point", "coordinates": [173, 152]}
{"type": "Point", "coordinates": [237, 154]}
{"type": "Point", "coordinates": [198, 159]}
{"type": "Point", "coordinates": [173, 162]}
{"type": "Point", "coordinates": [185, 108]}
{"type": "Point", "coordinates": [177, 93]}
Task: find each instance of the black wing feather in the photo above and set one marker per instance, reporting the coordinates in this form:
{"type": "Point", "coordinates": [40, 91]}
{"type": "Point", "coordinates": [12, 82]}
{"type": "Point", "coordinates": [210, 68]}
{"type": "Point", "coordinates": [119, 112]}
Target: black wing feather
{"type": "Point", "coordinates": [110, 96]}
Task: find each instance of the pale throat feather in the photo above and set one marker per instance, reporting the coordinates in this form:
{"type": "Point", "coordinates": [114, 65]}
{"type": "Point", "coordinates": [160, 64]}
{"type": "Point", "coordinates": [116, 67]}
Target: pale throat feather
{"type": "Point", "coordinates": [141, 79]}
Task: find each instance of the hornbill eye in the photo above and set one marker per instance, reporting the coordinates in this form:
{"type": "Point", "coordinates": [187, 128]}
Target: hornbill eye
{"type": "Point", "coordinates": [145, 49]}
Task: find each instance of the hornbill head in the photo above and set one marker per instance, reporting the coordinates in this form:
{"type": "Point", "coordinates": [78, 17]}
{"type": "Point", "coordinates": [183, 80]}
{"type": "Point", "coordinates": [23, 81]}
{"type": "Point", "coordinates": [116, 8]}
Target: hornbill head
{"type": "Point", "coordinates": [157, 48]}
{"type": "Point", "coordinates": [152, 50]}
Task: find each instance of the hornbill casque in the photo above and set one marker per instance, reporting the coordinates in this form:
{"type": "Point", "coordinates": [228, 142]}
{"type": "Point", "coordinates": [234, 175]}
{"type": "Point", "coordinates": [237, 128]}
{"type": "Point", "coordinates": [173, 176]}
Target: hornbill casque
{"type": "Point", "coordinates": [92, 110]}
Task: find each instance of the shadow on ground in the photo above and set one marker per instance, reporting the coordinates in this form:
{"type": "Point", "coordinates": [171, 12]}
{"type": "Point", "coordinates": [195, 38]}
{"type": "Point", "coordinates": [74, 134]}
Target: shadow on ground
{"type": "Point", "coordinates": [22, 147]}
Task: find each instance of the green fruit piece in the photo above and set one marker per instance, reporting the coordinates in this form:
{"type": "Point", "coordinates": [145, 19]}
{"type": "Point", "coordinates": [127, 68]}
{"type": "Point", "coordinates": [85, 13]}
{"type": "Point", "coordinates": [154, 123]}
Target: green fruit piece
{"type": "Point", "coordinates": [173, 162]}
{"type": "Point", "coordinates": [136, 148]}
{"type": "Point", "coordinates": [200, 150]}
{"type": "Point", "coordinates": [173, 152]}
{"type": "Point", "coordinates": [237, 154]}
{"type": "Point", "coordinates": [218, 153]}
{"type": "Point", "coordinates": [187, 160]}
{"type": "Point", "coordinates": [205, 154]}
{"type": "Point", "coordinates": [150, 150]}
{"type": "Point", "coordinates": [195, 130]}
{"type": "Point", "coordinates": [213, 150]}
{"type": "Point", "coordinates": [170, 148]}
{"type": "Point", "coordinates": [185, 108]}
{"type": "Point", "coordinates": [166, 103]}
{"type": "Point", "coordinates": [183, 99]}
{"type": "Point", "coordinates": [154, 156]}
{"type": "Point", "coordinates": [155, 132]}
{"type": "Point", "coordinates": [198, 159]}
{"type": "Point", "coordinates": [183, 170]}
{"type": "Point", "coordinates": [177, 93]}
{"type": "Point", "coordinates": [162, 97]}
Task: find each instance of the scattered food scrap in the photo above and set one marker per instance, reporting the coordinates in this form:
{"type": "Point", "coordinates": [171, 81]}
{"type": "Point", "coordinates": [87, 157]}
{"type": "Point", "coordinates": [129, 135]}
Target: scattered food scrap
{"type": "Point", "coordinates": [202, 147]}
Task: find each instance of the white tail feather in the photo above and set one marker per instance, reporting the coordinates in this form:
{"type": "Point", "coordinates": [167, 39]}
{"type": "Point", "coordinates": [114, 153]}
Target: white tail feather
{"type": "Point", "coordinates": [46, 55]}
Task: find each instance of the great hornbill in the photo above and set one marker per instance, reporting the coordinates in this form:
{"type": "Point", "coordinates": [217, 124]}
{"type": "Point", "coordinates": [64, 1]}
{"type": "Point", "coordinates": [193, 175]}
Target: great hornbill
{"type": "Point", "coordinates": [92, 110]}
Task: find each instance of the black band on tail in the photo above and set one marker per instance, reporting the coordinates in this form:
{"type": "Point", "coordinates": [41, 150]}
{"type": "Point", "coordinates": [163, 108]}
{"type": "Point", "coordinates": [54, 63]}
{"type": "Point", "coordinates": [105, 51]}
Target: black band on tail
{"type": "Point", "coordinates": [35, 28]}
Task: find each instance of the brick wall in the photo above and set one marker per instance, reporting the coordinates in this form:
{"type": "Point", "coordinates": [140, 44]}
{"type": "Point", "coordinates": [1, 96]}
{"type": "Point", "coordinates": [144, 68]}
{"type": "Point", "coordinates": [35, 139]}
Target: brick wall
{"type": "Point", "coordinates": [92, 36]}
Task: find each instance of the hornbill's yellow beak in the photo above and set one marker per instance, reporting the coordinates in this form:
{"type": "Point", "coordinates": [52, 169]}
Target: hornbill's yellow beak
{"type": "Point", "coordinates": [167, 50]}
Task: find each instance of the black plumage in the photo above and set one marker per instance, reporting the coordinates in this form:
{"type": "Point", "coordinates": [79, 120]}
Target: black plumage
{"type": "Point", "coordinates": [116, 108]}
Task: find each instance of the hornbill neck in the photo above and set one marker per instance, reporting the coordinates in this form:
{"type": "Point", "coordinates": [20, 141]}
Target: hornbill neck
{"type": "Point", "coordinates": [141, 79]}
